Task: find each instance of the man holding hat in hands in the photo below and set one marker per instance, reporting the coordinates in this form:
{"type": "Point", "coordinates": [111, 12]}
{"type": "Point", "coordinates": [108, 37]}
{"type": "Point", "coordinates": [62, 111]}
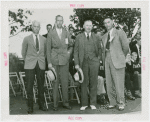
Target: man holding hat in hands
{"type": "Point", "coordinates": [87, 55]}
{"type": "Point", "coordinates": [59, 48]}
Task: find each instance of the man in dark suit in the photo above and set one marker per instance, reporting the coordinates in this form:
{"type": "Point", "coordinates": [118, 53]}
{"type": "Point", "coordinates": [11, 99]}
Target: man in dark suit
{"type": "Point", "coordinates": [87, 55]}
{"type": "Point", "coordinates": [48, 27]}
{"type": "Point", "coordinates": [59, 48]}
{"type": "Point", "coordinates": [137, 47]}
{"type": "Point", "coordinates": [116, 47]}
{"type": "Point", "coordinates": [34, 53]}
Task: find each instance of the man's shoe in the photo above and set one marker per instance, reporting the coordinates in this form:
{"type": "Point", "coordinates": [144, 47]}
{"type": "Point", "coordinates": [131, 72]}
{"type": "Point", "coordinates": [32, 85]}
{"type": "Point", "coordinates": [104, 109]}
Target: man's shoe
{"type": "Point", "coordinates": [83, 108]}
{"type": "Point", "coordinates": [67, 107]}
{"type": "Point", "coordinates": [55, 109]}
{"type": "Point", "coordinates": [121, 107]}
{"type": "Point", "coordinates": [93, 107]}
{"type": "Point", "coordinates": [30, 110]}
{"type": "Point", "coordinates": [129, 95]}
{"type": "Point", "coordinates": [111, 106]}
{"type": "Point", "coordinates": [137, 94]}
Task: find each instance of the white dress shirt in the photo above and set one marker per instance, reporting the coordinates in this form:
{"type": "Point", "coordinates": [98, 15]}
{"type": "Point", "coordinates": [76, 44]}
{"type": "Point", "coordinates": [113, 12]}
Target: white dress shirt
{"type": "Point", "coordinates": [34, 37]}
{"type": "Point", "coordinates": [59, 32]}
{"type": "Point", "coordinates": [89, 34]}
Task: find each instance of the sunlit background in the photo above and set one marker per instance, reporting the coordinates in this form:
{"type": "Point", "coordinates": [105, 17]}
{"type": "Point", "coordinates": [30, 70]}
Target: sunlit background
{"type": "Point", "coordinates": [44, 17]}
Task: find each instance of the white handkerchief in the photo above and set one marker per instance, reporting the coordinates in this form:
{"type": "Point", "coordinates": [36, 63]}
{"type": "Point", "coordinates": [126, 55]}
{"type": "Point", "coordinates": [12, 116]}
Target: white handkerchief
{"type": "Point", "coordinates": [66, 40]}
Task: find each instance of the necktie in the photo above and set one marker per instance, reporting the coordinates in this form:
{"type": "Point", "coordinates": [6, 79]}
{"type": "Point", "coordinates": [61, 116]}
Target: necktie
{"type": "Point", "coordinates": [37, 44]}
{"type": "Point", "coordinates": [87, 36]}
{"type": "Point", "coordinates": [108, 43]}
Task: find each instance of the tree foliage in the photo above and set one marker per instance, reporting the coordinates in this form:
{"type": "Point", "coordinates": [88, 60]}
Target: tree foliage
{"type": "Point", "coordinates": [123, 16]}
{"type": "Point", "coordinates": [18, 21]}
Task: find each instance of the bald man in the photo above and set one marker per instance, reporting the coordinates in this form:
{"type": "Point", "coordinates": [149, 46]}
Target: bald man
{"type": "Point", "coordinates": [34, 53]}
{"type": "Point", "coordinates": [87, 56]}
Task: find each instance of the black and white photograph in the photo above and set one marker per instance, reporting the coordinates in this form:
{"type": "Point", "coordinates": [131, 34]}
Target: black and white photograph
{"type": "Point", "coordinates": [81, 60]}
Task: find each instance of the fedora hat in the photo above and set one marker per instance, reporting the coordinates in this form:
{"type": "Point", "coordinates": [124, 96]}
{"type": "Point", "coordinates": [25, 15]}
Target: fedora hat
{"type": "Point", "coordinates": [78, 76]}
{"type": "Point", "coordinates": [51, 74]}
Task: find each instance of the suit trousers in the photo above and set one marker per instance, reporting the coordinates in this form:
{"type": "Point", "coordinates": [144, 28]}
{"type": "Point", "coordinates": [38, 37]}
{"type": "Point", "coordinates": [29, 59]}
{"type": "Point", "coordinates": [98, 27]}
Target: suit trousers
{"type": "Point", "coordinates": [30, 78]}
{"type": "Point", "coordinates": [115, 80]}
{"type": "Point", "coordinates": [90, 72]}
{"type": "Point", "coordinates": [63, 78]}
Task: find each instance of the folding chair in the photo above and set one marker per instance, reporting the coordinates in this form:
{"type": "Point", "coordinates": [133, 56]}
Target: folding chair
{"type": "Point", "coordinates": [72, 86]}
{"type": "Point", "coordinates": [15, 83]}
{"type": "Point", "coordinates": [22, 76]}
{"type": "Point", "coordinates": [35, 90]}
{"type": "Point", "coordinates": [48, 92]}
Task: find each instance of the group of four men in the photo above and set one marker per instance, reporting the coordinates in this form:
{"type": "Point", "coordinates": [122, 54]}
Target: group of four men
{"type": "Point", "coordinates": [88, 53]}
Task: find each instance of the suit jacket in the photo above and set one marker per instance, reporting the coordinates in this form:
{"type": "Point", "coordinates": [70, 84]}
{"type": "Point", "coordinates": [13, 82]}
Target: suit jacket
{"type": "Point", "coordinates": [119, 47]}
{"type": "Point", "coordinates": [79, 48]}
{"type": "Point", "coordinates": [30, 54]}
{"type": "Point", "coordinates": [57, 49]}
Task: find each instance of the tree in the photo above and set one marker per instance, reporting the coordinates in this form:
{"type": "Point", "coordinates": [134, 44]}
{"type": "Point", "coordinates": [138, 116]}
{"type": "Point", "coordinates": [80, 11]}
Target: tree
{"type": "Point", "coordinates": [18, 21]}
{"type": "Point", "coordinates": [123, 16]}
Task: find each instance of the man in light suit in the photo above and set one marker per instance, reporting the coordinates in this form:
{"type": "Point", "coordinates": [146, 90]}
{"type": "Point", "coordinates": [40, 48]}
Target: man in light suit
{"type": "Point", "coordinates": [34, 53]}
{"type": "Point", "coordinates": [116, 47]}
{"type": "Point", "coordinates": [87, 55]}
{"type": "Point", "coordinates": [59, 48]}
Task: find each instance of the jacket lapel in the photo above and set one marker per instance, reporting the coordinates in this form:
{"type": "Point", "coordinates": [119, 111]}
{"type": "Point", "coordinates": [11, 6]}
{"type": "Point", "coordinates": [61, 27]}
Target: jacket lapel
{"type": "Point", "coordinates": [55, 34]}
{"type": "Point", "coordinates": [113, 34]}
{"type": "Point", "coordinates": [32, 41]}
{"type": "Point", "coordinates": [63, 34]}
{"type": "Point", "coordinates": [41, 42]}
{"type": "Point", "coordinates": [94, 40]}
{"type": "Point", "coordinates": [83, 40]}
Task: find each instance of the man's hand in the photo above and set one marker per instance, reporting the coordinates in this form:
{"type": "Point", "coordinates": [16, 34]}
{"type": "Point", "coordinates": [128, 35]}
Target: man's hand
{"type": "Point", "coordinates": [77, 67]}
{"type": "Point", "coordinates": [136, 72]}
{"type": "Point", "coordinates": [50, 66]}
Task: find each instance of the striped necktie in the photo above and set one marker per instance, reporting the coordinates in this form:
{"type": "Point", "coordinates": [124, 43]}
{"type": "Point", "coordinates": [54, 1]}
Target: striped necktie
{"type": "Point", "coordinates": [37, 44]}
{"type": "Point", "coordinates": [108, 43]}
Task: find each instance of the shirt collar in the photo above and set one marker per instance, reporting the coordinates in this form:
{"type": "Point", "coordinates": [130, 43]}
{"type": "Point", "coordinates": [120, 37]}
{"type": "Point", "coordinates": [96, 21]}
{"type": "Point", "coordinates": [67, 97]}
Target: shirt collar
{"type": "Point", "coordinates": [86, 34]}
{"type": "Point", "coordinates": [34, 35]}
{"type": "Point", "coordinates": [59, 29]}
